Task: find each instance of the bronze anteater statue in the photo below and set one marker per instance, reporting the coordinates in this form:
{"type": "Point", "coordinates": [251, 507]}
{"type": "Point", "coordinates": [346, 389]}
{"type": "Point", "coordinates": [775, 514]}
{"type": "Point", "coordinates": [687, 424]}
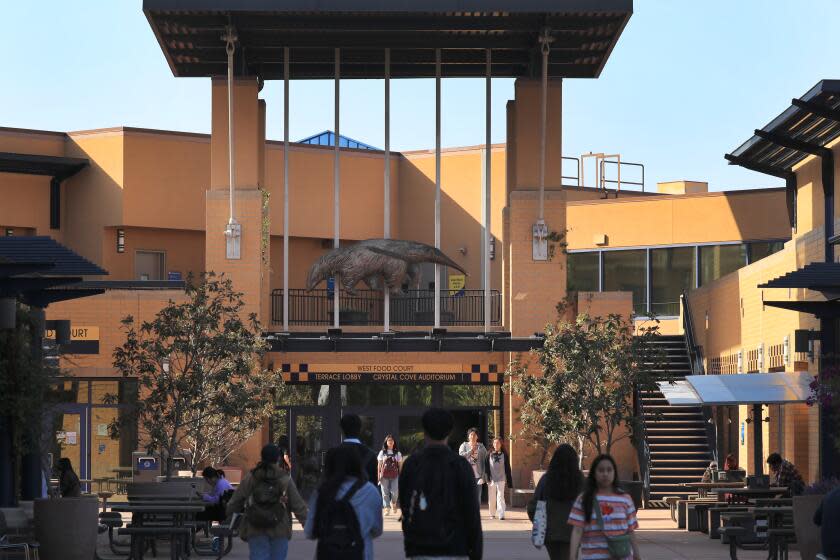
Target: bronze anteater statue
{"type": "Point", "coordinates": [392, 261]}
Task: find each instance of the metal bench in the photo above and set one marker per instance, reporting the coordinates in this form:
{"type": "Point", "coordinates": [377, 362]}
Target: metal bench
{"type": "Point", "coordinates": [733, 532]}
{"type": "Point", "coordinates": [225, 532]}
{"type": "Point", "coordinates": [177, 536]}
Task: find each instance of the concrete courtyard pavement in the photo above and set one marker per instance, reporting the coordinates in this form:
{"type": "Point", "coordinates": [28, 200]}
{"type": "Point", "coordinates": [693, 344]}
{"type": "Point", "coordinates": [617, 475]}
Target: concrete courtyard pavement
{"type": "Point", "coordinates": [510, 540]}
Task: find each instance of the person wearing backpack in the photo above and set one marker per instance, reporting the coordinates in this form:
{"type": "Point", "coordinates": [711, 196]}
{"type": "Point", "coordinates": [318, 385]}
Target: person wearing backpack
{"type": "Point", "coordinates": [440, 515]}
{"type": "Point", "coordinates": [558, 488]}
{"type": "Point", "coordinates": [351, 427]}
{"type": "Point", "coordinates": [344, 513]}
{"type": "Point", "coordinates": [389, 473]}
{"type": "Point", "coordinates": [268, 495]}
{"type": "Point", "coordinates": [603, 517]}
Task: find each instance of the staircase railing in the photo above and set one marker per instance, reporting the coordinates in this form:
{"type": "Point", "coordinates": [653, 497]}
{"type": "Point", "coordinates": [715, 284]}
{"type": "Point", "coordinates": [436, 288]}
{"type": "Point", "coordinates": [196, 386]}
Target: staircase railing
{"type": "Point", "coordinates": [642, 448]}
{"type": "Point", "coordinates": [695, 352]}
{"type": "Point", "coordinates": [695, 356]}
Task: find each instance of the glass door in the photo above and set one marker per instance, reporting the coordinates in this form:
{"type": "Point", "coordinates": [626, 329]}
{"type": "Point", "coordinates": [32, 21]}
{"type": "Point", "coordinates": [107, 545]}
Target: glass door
{"type": "Point", "coordinates": [70, 429]}
{"type": "Point", "coordinates": [309, 439]}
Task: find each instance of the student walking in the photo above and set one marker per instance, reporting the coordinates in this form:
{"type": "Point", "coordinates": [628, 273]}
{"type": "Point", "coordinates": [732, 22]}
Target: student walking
{"type": "Point", "coordinates": [559, 488]}
{"type": "Point", "coordinates": [603, 517]}
{"type": "Point", "coordinates": [389, 459]}
{"type": "Point", "coordinates": [440, 514]}
{"type": "Point", "coordinates": [270, 494]}
{"type": "Point", "coordinates": [499, 478]}
{"type": "Point", "coordinates": [344, 513]}
{"type": "Point", "coordinates": [351, 427]}
{"type": "Point", "coordinates": [476, 455]}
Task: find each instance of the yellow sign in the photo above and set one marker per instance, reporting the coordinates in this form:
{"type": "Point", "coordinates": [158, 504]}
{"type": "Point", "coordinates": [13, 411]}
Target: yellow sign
{"type": "Point", "coordinates": [388, 368]}
{"type": "Point", "coordinates": [77, 333]}
{"type": "Point", "coordinates": [457, 282]}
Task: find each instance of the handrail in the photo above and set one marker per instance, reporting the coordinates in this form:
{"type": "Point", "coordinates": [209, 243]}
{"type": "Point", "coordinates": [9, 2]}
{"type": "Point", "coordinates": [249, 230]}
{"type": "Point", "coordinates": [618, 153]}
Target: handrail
{"type": "Point", "coordinates": [695, 352]}
{"type": "Point", "coordinates": [642, 447]}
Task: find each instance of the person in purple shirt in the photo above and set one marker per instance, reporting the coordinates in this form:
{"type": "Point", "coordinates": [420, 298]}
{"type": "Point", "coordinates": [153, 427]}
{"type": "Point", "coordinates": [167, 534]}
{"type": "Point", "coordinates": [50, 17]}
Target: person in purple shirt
{"type": "Point", "coordinates": [216, 499]}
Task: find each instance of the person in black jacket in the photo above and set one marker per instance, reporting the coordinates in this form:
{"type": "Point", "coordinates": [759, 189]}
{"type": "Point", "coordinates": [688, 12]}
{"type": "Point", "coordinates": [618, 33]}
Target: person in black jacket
{"type": "Point", "coordinates": [440, 515]}
{"type": "Point", "coordinates": [68, 480]}
{"type": "Point", "coordinates": [351, 427]}
{"type": "Point", "coordinates": [827, 517]}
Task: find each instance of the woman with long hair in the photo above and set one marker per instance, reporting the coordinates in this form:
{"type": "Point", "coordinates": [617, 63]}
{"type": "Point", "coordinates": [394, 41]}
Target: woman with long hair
{"type": "Point", "coordinates": [389, 461]}
{"type": "Point", "coordinates": [344, 481]}
{"type": "Point", "coordinates": [499, 478]}
{"type": "Point", "coordinates": [559, 487]}
{"type": "Point", "coordinates": [603, 517]}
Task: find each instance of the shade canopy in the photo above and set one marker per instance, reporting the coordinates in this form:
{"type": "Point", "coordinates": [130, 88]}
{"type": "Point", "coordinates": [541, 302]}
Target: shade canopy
{"type": "Point", "coordinates": [583, 34]}
{"type": "Point", "coordinates": [753, 388]}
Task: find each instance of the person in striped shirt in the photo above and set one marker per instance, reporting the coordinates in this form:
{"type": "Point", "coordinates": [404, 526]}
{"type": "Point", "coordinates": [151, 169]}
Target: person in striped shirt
{"type": "Point", "coordinates": [589, 541]}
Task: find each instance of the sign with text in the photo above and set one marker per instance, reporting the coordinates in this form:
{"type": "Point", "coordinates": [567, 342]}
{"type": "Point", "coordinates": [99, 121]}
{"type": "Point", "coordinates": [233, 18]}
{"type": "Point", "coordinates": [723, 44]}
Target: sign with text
{"type": "Point", "coordinates": [447, 373]}
{"type": "Point", "coordinates": [83, 340]}
{"type": "Point", "coordinates": [457, 283]}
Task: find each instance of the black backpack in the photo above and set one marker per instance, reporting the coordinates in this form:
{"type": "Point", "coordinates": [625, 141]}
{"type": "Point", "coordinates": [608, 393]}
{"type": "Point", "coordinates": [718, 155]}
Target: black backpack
{"type": "Point", "coordinates": [265, 509]}
{"type": "Point", "coordinates": [433, 510]}
{"type": "Point", "coordinates": [338, 531]}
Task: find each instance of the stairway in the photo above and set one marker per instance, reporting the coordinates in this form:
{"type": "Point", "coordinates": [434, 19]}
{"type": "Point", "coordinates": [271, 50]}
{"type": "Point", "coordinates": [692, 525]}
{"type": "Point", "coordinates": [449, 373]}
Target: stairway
{"type": "Point", "coordinates": [676, 435]}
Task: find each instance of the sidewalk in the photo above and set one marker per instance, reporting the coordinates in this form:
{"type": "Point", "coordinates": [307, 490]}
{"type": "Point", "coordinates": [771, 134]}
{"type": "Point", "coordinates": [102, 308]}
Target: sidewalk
{"type": "Point", "coordinates": [510, 540]}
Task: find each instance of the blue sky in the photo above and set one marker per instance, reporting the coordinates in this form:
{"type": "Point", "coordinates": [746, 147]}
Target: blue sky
{"type": "Point", "coordinates": [687, 82]}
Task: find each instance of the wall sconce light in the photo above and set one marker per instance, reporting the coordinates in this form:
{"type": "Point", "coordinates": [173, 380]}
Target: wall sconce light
{"type": "Point", "coordinates": [9, 232]}
{"type": "Point", "coordinates": [492, 249]}
{"type": "Point", "coordinates": [120, 241]}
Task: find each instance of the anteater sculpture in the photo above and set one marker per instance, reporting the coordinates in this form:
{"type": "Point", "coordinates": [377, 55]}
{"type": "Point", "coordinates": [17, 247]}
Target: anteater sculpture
{"type": "Point", "coordinates": [374, 261]}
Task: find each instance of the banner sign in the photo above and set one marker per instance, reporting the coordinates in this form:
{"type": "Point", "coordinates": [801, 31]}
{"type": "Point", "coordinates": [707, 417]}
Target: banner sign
{"type": "Point", "coordinates": [83, 340]}
{"type": "Point", "coordinates": [452, 374]}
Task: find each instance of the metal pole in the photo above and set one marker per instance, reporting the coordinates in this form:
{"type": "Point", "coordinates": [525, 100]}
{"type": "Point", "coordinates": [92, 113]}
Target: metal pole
{"type": "Point", "coordinates": [387, 197]}
{"type": "Point", "coordinates": [437, 184]}
{"type": "Point", "coordinates": [543, 113]}
{"type": "Point", "coordinates": [230, 48]}
{"type": "Point", "coordinates": [487, 202]}
{"type": "Point", "coordinates": [336, 180]}
{"type": "Point", "coordinates": [286, 189]}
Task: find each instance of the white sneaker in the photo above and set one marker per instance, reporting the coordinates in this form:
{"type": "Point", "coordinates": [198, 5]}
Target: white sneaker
{"type": "Point", "coordinates": [386, 511]}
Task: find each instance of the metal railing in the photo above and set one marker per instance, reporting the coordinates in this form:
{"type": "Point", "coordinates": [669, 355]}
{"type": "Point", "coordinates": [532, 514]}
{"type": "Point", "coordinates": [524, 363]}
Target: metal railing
{"type": "Point", "coordinates": [642, 447]}
{"type": "Point", "coordinates": [695, 352]}
{"type": "Point", "coordinates": [413, 308]}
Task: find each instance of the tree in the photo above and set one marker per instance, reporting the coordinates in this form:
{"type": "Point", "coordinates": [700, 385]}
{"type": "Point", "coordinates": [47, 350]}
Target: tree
{"type": "Point", "coordinates": [590, 370]}
{"type": "Point", "coordinates": [25, 380]}
{"type": "Point", "coordinates": [199, 373]}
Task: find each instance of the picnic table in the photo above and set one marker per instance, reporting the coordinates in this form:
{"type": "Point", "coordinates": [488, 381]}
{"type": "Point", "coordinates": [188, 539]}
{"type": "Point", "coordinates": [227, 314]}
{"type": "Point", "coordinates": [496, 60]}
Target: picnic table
{"type": "Point", "coordinates": [777, 532]}
{"type": "Point", "coordinates": [140, 530]}
{"type": "Point", "coordinates": [704, 487]}
{"type": "Point", "coordinates": [747, 493]}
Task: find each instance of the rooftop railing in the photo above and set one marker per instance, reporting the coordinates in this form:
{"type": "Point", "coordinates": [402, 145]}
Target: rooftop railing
{"type": "Point", "coordinates": [412, 308]}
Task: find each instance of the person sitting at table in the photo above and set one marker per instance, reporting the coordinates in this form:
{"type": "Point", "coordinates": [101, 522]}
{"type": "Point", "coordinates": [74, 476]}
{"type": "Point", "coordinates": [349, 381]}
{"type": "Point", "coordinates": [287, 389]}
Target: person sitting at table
{"type": "Point", "coordinates": [216, 499]}
{"type": "Point", "coordinates": [730, 463]}
{"type": "Point", "coordinates": [785, 474]}
{"type": "Point", "coordinates": [68, 481]}
{"type": "Point", "coordinates": [708, 474]}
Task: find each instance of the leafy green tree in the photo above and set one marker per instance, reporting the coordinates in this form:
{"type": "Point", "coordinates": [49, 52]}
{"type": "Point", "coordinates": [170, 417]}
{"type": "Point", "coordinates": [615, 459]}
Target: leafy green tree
{"type": "Point", "coordinates": [590, 368]}
{"type": "Point", "coordinates": [198, 365]}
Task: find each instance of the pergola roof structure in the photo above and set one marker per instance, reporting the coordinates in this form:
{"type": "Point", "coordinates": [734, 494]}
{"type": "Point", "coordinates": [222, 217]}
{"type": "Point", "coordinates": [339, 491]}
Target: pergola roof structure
{"type": "Point", "coordinates": [583, 34]}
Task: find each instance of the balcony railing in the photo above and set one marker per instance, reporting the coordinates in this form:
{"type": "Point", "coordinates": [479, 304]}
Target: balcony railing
{"type": "Point", "coordinates": [413, 308]}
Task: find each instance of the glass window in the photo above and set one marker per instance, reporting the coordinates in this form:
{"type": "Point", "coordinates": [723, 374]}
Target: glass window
{"type": "Point", "coordinates": [582, 272]}
{"type": "Point", "coordinates": [468, 395]}
{"type": "Point", "coordinates": [149, 265]}
{"type": "Point", "coordinates": [69, 392]}
{"type": "Point", "coordinates": [626, 271]}
{"type": "Point", "coordinates": [313, 395]}
{"type": "Point", "coordinates": [720, 260]}
{"type": "Point", "coordinates": [761, 249]}
{"type": "Point", "coordinates": [410, 434]}
{"type": "Point", "coordinates": [363, 394]}
{"type": "Point", "coordinates": [672, 272]}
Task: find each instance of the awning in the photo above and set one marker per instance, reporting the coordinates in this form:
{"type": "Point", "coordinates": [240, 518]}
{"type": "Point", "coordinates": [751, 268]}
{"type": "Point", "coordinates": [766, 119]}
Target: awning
{"type": "Point", "coordinates": [817, 276]}
{"type": "Point", "coordinates": [751, 388]}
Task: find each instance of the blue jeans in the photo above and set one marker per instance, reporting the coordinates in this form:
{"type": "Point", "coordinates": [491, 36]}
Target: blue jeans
{"type": "Point", "coordinates": [389, 491]}
{"type": "Point", "coordinates": [261, 547]}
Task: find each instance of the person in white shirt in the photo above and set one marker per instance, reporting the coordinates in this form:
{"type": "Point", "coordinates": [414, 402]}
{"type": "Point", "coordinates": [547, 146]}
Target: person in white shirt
{"type": "Point", "coordinates": [389, 461]}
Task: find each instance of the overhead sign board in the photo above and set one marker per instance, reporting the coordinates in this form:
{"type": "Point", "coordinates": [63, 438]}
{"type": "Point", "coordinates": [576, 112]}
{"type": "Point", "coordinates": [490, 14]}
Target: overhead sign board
{"type": "Point", "coordinates": [83, 340]}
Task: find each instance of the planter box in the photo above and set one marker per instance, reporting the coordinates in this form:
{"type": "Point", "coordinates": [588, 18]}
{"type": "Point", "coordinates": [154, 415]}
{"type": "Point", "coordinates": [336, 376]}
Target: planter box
{"type": "Point", "coordinates": [66, 528]}
{"type": "Point", "coordinates": [807, 534]}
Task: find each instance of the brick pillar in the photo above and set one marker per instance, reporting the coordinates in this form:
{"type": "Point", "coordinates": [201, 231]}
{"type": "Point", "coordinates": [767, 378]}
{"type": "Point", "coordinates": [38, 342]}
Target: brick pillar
{"type": "Point", "coordinates": [250, 272]}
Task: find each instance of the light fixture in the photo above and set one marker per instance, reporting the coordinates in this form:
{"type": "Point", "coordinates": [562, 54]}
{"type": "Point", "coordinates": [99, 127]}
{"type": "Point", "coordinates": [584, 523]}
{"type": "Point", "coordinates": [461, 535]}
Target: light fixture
{"type": "Point", "coordinates": [492, 248]}
{"type": "Point", "coordinates": [9, 232]}
{"type": "Point", "coordinates": [120, 241]}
